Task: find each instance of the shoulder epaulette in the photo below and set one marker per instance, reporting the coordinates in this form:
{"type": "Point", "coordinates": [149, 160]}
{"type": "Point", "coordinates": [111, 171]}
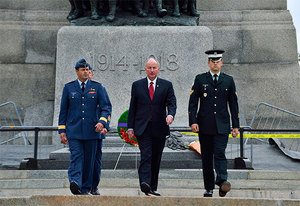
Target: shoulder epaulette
{"type": "Point", "coordinates": [71, 82]}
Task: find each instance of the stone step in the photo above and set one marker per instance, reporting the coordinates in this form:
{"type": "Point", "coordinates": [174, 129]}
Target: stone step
{"type": "Point", "coordinates": [144, 201]}
{"type": "Point", "coordinates": [163, 183]}
{"type": "Point", "coordinates": [167, 192]}
{"type": "Point", "coordinates": [164, 174]}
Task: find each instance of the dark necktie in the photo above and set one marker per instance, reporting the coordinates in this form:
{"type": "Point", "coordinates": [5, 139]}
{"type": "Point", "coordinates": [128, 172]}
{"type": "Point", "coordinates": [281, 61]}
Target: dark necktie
{"type": "Point", "coordinates": [151, 90]}
{"type": "Point", "coordinates": [82, 86]}
{"type": "Point", "coordinates": [215, 79]}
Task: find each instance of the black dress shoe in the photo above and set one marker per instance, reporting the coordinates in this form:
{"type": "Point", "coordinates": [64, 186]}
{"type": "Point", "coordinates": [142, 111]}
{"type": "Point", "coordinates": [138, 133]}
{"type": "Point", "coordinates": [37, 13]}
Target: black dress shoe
{"type": "Point", "coordinates": [75, 188]}
{"type": "Point", "coordinates": [86, 193]}
{"type": "Point", "coordinates": [208, 193]}
{"type": "Point", "coordinates": [145, 187]}
{"type": "Point", "coordinates": [224, 188]}
{"type": "Point", "coordinates": [154, 193]}
{"type": "Point", "coordinates": [95, 191]}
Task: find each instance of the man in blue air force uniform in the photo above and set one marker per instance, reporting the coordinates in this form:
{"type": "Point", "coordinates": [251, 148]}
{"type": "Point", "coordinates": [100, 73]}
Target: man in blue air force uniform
{"type": "Point", "coordinates": [211, 120]}
{"type": "Point", "coordinates": [84, 116]}
{"type": "Point", "coordinates": [98, 159]}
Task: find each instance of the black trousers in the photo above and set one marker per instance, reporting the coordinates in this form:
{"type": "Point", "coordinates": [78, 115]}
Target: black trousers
{"type": "Point", "coordinates": [151, 149]}
{"type": "Point", "coordinates": [213, 154]}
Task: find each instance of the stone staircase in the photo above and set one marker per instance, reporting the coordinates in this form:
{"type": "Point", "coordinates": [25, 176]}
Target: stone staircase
{"type": "Point", "coordinates": [172, 183]}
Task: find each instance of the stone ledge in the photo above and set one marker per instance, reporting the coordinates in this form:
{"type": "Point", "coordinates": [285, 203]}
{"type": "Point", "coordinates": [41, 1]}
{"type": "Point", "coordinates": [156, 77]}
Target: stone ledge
{"type": "Point", "coordinates": [8, 16]}
{"type": "Point", "coordinates": [206, 5]}
{"type": "Point", "coordinates": [145, 201]}
{"type": "Point", "coordinates": [219, 5]}
{"type": "Point", "coordinates": [35, 4]}
{"type": "Point", "coordinates": [166, 192]}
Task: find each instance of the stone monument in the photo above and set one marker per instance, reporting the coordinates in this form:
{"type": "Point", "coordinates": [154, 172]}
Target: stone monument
{"type": "Point", "coordinates": [258, 36]}
{"type": "Point", "coordinates": [118, 56]}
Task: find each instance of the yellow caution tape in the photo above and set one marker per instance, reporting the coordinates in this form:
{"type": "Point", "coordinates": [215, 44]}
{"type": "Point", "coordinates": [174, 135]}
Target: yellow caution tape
{"type": "Point", "coordinates": [256, 135]}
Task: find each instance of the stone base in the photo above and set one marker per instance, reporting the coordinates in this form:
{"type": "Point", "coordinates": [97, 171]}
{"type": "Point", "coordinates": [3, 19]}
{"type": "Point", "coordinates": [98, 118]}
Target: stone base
{"type": "Point", "coordinates": [128, 19]}
{"type": "Point", "coordinates": [130, 158]}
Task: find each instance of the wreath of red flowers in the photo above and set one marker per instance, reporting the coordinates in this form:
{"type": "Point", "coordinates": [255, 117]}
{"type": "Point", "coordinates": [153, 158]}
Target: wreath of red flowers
{"type": "Point", "coordinates": [122, 130]}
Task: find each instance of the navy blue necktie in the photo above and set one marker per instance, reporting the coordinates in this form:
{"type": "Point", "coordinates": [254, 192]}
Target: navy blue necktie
{"type": "Point", "coordinates": [82, 86]}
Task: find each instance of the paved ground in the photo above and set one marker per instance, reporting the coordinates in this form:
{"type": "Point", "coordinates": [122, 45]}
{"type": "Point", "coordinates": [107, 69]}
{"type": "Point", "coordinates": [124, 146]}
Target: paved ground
{"type": "Point", "coordinates": [265, 156]}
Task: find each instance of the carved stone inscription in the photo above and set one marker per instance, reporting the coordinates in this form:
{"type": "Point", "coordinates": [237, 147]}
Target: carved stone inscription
{"type": "Point", "coordinates": [111, 62]}
{"type": "Point", "coordinates": [118, 56]}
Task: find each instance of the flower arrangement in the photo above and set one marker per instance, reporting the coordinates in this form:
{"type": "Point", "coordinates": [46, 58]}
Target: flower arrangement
{"type": "Point", "coordinates": [122, 130]}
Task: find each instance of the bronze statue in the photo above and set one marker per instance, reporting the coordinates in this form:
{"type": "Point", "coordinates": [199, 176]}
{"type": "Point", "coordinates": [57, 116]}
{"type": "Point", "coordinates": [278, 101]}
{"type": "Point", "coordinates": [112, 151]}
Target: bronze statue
{"type": "Point", "coordinates": [189, 7]}
{"type": "Point", "coordinates": [94, 9]}
{"type": "Point", "coordinates": [112, 10]}
{"type": "Point", "coordinates": [78, 8]}
{"type": "Point", "coordinates": [176, 12]}
{"type": "Point", "coordinates": [160, 12]}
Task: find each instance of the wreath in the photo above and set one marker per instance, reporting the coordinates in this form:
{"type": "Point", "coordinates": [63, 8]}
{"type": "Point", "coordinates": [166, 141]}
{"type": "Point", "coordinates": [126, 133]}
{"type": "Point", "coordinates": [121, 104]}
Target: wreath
{"type": "Point", "coordinates": [122, 130]}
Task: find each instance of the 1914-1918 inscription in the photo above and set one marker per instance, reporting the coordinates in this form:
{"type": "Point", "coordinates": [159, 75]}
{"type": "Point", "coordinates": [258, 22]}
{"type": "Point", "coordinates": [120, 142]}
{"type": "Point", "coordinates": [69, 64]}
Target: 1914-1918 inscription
{"type": "Point", "coordinates": [108, 62]}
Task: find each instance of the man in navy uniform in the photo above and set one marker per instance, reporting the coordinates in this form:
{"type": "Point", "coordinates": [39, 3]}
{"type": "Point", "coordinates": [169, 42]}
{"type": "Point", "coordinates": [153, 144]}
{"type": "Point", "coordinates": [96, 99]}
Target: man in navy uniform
{"type": "Point", "coordinates": [215, 90]}
{"type": "Point", "coordinates": [84, 113]}
{"type": "Point", "coordinates": [148, 120]}
{"type": "Point", "coordinates": [98, 162]}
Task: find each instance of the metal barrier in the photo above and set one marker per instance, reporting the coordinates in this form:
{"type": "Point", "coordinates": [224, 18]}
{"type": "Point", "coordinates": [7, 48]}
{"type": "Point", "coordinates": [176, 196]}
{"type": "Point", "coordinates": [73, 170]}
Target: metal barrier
{"type": "Point", "coordinates": [271, 117]}
{"type": "Point", "coordinates": [10, 120]}
{"type": "Point", "coordinates": [36, 130]}
{"type": "Point", "coordinates": [242, 130]}
{"type": "Point", "coordinates": [242, 134]}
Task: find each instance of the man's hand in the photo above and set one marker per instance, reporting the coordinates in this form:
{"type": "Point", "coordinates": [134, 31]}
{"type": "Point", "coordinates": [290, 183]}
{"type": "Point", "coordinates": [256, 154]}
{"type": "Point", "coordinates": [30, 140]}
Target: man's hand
{"type": "Point", "coordinates": [63, 138]}
{"type": "Point", "coordinates": [169, 119]}
{"type": "Point", "coordinates": [99, 127]}
{"type": "Point", "coordinates": [130, 134]}
{"type": "Point", "coordinates": [195, 127]}
{"type": "Point", "coordinates": [104, 131]}
{"type": "Point", "coordinates": [235, 132]}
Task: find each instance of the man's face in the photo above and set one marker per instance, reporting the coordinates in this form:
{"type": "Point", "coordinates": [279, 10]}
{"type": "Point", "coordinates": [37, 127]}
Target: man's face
{"type": "Point", "coordinates": [152, 69]}
{"type": "Point", "coordinates": [91, 74]}
{"type": "Point", "coordinates": [215, 66]}
{"type": "Point", "coordinates": [82, 73]}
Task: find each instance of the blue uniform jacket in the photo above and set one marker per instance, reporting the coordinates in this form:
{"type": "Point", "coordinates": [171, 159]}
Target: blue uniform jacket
{"type": "Point", "coordinates": [81, 111]}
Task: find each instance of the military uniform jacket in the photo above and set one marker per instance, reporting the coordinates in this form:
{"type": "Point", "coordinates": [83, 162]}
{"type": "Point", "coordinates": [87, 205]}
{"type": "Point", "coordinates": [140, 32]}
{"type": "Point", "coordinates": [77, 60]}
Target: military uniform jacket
{"type": "Point", "coordinates": [81, 111]}
{"type": "Point", "coordinates": [141, 107]}
{"type": "Point", "coordinates": [212, 116]}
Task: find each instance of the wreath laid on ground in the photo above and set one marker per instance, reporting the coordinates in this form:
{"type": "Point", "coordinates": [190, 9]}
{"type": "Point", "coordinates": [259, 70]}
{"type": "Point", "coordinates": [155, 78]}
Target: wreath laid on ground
{"type": "Point", "coordinates": [122, 130]}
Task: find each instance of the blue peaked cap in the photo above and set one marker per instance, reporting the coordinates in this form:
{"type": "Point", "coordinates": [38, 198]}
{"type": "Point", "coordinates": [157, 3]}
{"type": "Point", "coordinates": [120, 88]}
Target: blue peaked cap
{"type": "Point", "coordinates": [80, 64]}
